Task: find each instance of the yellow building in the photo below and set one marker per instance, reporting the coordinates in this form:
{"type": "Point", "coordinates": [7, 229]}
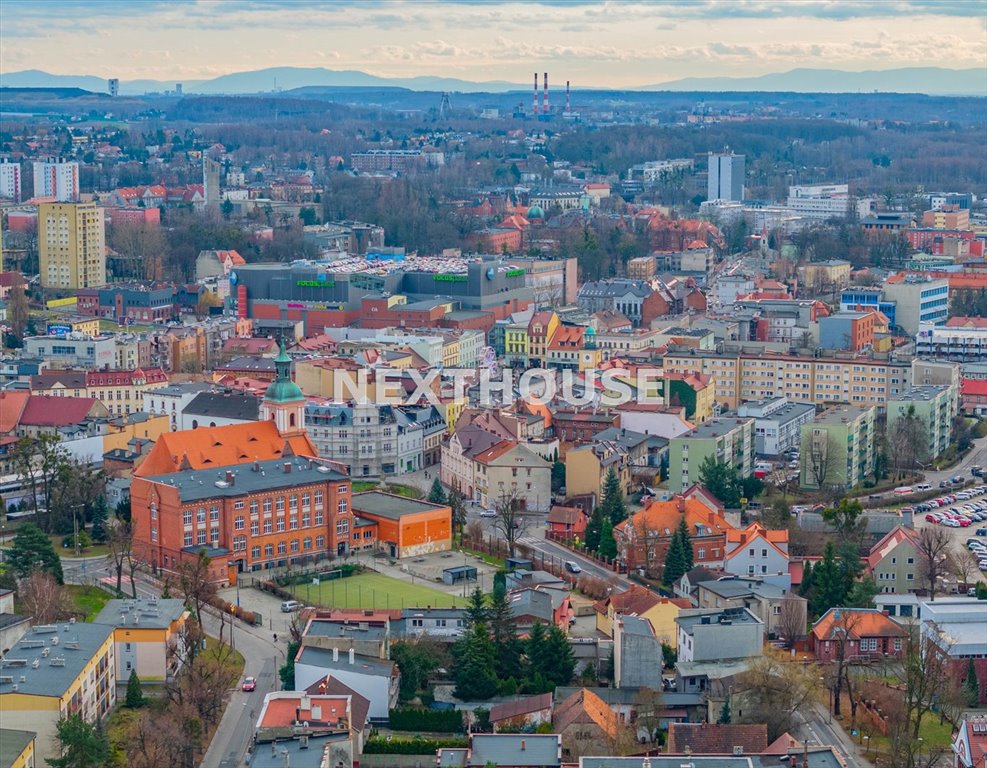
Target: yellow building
{"type": "Point", "coordinates": [54, 672]}
{"type": "Point", "coordinates": [452, 408]}
{"type": "Point", "coordinates": [660, 612]}
{"type": "Point", "coordinates": [145, 426]}
{"type": "Point", "coordinates": [450, 351]}
{"type": "Point", "coordinates": [541, 328]}
{"type": "Point", "coordinates": [64, 324]}
{"type": "Point", "coordinates": [742, 376]}
{"type": "Point", "coordinates": [825, 275]}
{"type": "Point", "coordinates": [122, 392]}
{"type": "Point", "coordinates": [145, 633]}
{"type": "Point", "coordinates": [587, 466]}
{"type": "Point", "coordinates": [17, 749]}
{"type": "Point", "coordinates": [71, 245]}
{"type": "Point", "coordinates": [516, 343]}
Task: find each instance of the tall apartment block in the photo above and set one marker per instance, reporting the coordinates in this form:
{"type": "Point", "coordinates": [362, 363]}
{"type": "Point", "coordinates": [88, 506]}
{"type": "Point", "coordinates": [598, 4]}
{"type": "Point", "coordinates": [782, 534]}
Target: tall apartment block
{"type": "Point", "coordinates": [10, 181]}
{"type": "Point", "coordinates": [71, 245]}
{"type": "Point", "coordinates": [726, 177]}
{"type": "Point", "coordinates": [58, 180]}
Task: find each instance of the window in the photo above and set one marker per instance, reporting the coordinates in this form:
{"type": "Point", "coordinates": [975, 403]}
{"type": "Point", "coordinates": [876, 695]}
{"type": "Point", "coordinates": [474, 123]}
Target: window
{"type": "Point", "coordinates": [238, 523]}
{"type": "Point", "coordinates": [776, 610]}
{"type": "Point", "coordinates": [306, 500]}
{"type": "Point", "coordinates": [318, 499]}
{"type": "Point", "coordinates": [294, 545]}
{"type": "Point", "coordinates": [254, 528]}
{"type": "Point", "coordinates": [253, 507]}
{"type": "Point", "coordinates": [280, 525]}
{"type": "Point", "coordinates": [293, 523]}
{"type": "Point", "coordinates": [214, 514]}
{"type": "Point", "coordinates": [307, 543]}
{"type": "Point", "coordinates": [238, 504]}
{"type": "Point", "coordinates": [343, 506]}
{"type": "Point", "coordinates": [200, 537]}
{"type": "Point", "coordinates": [897, 643]}
{"type": "Point", "coordinates": [280, 504]}
{"type": "Point", "coordinates": [267, 506]}
{"type": "Point", "coordinates": [700, 554]}
{"type": "Point", "coordinates": [293, 502]}
{"type": "Point", "coordinates": [417, 623]}
{"type": "Point", "coordinates": [269, 550]}
{"type": "Point", "coordinates": [188, 539]}
{"type": "Point", "coordinates": [320, 542]}
{"type": "Point", "coordinates": [342, 527]}
{"type": "Point", "coordinates": [764, 553]}
{"type": "Point", "coordinates": [319, 517]}
{"type": "Point", "coordinates": [268, 526]}
{"type": "Point", "coordinates": [750, 552]}
{"type": "Point", "coordinates": [282, 548]}
{"type": "Point", "coordinates": [306, 519]}
{"type": "Point", "coordinates": [214, 537]}
{"type": "Point", "coordinates": [750, 570]}
{"type": "Point", "coordinates": [187, 517]}
{"type": "Point", "coordinates": [254, 553]}
{"type": "Point", "coordinates": [201, 515]}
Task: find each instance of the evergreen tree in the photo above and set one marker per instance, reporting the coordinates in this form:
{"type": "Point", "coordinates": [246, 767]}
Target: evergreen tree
{"type": "Point", "coordinates": [539, 659]}
{"type": "Point", "coordinates": [504, 636]}
{"type": "Point", "coordinates": [83, 745]}
{"type": "Point", "coordinates": [476, 611]}
{"type": "Point", "coordinates": [32, 549]}
{"type": "Point", "coordinates": [828, 585]}
{"type": "Point", "coordinates": [674, 559]}
{"type": "Point", "coordinates": [473, 670]}
{"type": "Point", "coordinates": [100, 513]}
{"type": "Point", "coordinates": [971, 685]}
{"type": "Point", "coordinates": [614, 506]}
{"type": "Point", "coordinates": [594, 529]}
{"type": "Point", "coordinates": [805, 587]}
{"type": "Point", "coordinates": [725, 713]}
{"type": "Point", "coordinates": [437, 494]}
{"type": "Point", "coordinates": [608, 545]}
{"type": "Point", "coordinates": [720, 479]}
{"type": "Point", "coordinates": [135, 696]}
{"type": "Point", "coordinates": [563, 662]}
{"type": "Point", "coordinates": [686, 539]}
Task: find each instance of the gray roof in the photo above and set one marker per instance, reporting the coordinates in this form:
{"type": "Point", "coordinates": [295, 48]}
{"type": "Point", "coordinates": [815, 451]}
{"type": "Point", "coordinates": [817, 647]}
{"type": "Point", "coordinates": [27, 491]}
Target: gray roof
{"type": "Point", "coordinates": [225, 405]}
{"type": "Point", "coordinates": [819, 757]}
{"type": "Point", "coordinates": [12, 744]}
{"type": "Point", "coordinates": [926, 392]}
{"type": "Point", "coordinates": [614, 288]}
{"type": "Point", "coordinates": [345, 630]}
{"type": "Point", "coordinates": [142, 612]}
{"type": "Point", "coordinates": [75, 647]}
{"type": "Point", "coordinates": [201, 484]}
{"type": "Point", "coordinates": [635, 625]}
{"type": "Point", "coordinates": [298, 756]}
{"type": "Point", "coordinates": [322, 658]}
{"type": "Point", "coordinates": [433, 613]}
{"type": "Point", "coordinates": [532, 602]}
{"type": "Point", "coordinates": [714, 428]}
{"type": "Point", "coordinates": [732, 588]}
{"type": "Point", "coordinates": [688, 620]}
{"type": "Point", "coordinates": [714, 670]}
{"type": "Point", "coordinates": [506, 749]}
{"type": "Point", "coordinates": [176, 390]}
{"type": "Point", "coordinates": [389, 505]}
{"type": "Point", "coordinates": [10, 619]}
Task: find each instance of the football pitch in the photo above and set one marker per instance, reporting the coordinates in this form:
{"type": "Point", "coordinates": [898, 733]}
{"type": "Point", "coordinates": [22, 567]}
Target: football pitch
{"type": "Point", "coordinates": [373, 590]}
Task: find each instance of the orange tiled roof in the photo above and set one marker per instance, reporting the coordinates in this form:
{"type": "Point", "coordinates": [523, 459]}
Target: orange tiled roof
{"type": "Point", "coordinates": [221, 447]}
{"type": "Point", "coordinates": [283, 712]}
{"type": "Point", "coordinates": [584, 706]}
{"type": "Point", "coordinates": [495, 451]}
{"type": "Point", "coordinates": [858, 622]}
{"type": "Point", "coordinates": [12, 405]}
{"type": "Point", "coordinates": [751, 532]}
{"type": "Point", "coordinates": [665, 515]}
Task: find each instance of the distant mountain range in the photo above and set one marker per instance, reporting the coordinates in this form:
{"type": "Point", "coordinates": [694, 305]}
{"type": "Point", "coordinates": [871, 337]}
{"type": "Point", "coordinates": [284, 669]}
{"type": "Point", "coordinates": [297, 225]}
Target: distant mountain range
{"type": "Point", "coordinates": [929, 80]}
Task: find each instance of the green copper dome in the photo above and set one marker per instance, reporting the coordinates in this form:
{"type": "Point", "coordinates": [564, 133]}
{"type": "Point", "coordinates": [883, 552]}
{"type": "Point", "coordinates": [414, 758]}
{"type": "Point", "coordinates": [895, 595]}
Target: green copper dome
{"type": "Point", "coordinates": [283, 389]}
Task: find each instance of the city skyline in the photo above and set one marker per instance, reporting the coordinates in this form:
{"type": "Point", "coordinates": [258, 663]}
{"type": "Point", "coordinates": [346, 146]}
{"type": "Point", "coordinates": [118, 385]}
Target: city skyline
{"type": "Point", "coordinates": [607, 44]}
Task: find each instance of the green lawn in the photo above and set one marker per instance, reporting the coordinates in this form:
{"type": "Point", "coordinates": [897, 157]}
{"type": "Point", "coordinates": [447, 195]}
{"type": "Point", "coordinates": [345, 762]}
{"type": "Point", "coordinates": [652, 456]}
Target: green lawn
{"type": "Point", "coordinates": [87, 600]}
{"type": "Point", "coordinates": [373, 590]}
{"type": "Point", "coordinates": [397, 489]}
{"type": "Point", "coordinates": [93, 550]}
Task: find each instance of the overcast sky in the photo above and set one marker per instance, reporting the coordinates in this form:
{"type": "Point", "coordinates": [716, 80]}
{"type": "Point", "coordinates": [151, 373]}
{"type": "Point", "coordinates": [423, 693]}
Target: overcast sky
{"type": "Point", "coordinates": [618, 43]}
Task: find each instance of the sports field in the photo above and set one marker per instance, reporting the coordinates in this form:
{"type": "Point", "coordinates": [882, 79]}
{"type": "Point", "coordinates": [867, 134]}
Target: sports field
{"type": "Point", "coordinates": [373, 590]}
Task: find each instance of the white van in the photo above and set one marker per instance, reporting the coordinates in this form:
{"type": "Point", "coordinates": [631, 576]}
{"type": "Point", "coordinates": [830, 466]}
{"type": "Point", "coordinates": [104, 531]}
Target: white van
{"type": "Point", "coordinates": [288, 606]}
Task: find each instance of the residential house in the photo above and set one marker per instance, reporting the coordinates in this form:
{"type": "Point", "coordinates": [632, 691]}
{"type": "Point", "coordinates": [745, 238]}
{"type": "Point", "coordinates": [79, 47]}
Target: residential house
{"type": "Point", "coordinates": [522, 713]}
{"type": "Point", "coordinates": [893, 562]}
{"type": "Point", "coordinates": [376, 680]}
{"type": "Point", "coordinates": [766, 601]}
{"type": "Point", "coordinates": [643, 603]}
{"type": "Point", "coordinates": [305, 731]}
{"type": "Point", "coordinates": [587, 468]}
{"type": "Point", "coordinates": [724, 439]}
{"type": "Point", "coordinates": [458, 468]}
{"type": "Point", "coordinates": [869, 634]}
{"type": "Point", "coordinates": [643, 538]}
{"type": "Point", "coordinates": [757, 551]}
{"type": "Point", "coordinates": [659, 420]}
{"type": "Point", "coordinates": [43, 415]}
{"type": "Point", "coordinates": [443, 624]}
{"type": "Point", "coordinates": [359, 705]}
{"type": "Point", "coordinates": [511, 468]}
{"type": "Point", "coordinates": [54, 672]}
{"type": "Point", "coordinates": [586, 724]}
{"type": "Point", "coordinates": [505, 750]}
{"type": "Point", "coordinates": [969, 744]}
{"type": "Point", "coordinates": [147, 636]}
{"type": "Point", "coordinates": [934, 407]}
{"type": "Point", "coordinates": [17, 748]}
{"type": "Point", "coordinates": [711, 635]}
{"type": "Point", "coordinates": [541, 329]}
{"type": "Point", "coordinates": [216, 409]}
{"type": "Point", "coordinates": [545, 606]}
{"type": "Point", "coordinates": [567, 522]}
{"type": "Point", "coordinates": [777, 423]}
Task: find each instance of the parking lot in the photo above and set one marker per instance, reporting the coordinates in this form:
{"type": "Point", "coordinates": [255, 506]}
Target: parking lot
{"type": "Point", "coordinates": [963, 514]}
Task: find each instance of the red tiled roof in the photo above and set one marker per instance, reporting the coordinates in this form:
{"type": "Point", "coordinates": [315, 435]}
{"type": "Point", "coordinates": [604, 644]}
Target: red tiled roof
{"type": "Point", "coordinates": [565, 515]}
{"type": "Point", "coordinates": [858, 623]}
{"type": "Point", "coordinates": [359, 704]}
{"type": "Point", "coordinates": [283, 710]}
{"type": "Point", "coordinates": [716, 738]}
{"type": "Point", "coordinates": [585, 707]}
{"type": "Point", "coordinates": [12, 405]}
{"type": "Point", "coordinates": [42, 411]}
{"type": "Point", "coordinates": [494, 452]}
{"type": "Point", "coordinates": [526, 706]}
{"type": "Point", "coordinates": [973, 387]}
{"type": "Point", "coordinates": [665, 515]}
{"type": "Point", "coordinates": [967, 322]}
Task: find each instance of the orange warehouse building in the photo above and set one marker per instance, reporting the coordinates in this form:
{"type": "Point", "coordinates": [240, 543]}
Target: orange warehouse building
{"type": "Point", "coordinates": [405, 527]}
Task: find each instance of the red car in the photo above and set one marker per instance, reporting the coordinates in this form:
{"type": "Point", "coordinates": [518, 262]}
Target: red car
{"type": "Point", "coordinates": [249, 684]}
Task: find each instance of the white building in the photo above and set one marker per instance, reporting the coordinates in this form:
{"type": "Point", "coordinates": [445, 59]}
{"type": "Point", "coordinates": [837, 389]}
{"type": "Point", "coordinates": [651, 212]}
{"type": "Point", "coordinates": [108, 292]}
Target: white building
{"type": "Point", "coordinates": [777, 423]}
{"type": "Point", "coordinates": [58, 180]}
{"type": "Point", "coordinates": [172, 399]}
{"type": "Point", "coordinates": [821, 202]}
{"type": "Point", "coordinates": [10, 181]}
{"type": "Point", "coordinates": [963, 339]}
{"type": "Point", "coordinates": [374, 679]}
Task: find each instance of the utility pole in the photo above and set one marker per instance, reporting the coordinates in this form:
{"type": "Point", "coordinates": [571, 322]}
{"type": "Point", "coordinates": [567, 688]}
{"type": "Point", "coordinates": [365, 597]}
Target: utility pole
{"type": "Point", "coordinates": [75, 530]}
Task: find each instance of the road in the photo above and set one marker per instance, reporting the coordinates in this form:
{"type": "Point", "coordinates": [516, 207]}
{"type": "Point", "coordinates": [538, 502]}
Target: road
{"type": "Point", "coordinates": [560, 554]}
{"type": "Point", "coordinates": [817, 729]}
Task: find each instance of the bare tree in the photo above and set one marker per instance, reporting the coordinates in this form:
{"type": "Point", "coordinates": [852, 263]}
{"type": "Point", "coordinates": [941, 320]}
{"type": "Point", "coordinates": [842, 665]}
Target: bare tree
{"type": "Point", "coordinates": [645, 538]}
{"type": "Point", "coordinates": [120, 543]}
{"type": "Point", "coordinates": [194, 583]}
{"type": "Point", "coordinates": [42, 597]}
{"type": "Point", "coordinates": [792, 620]}
{"type": "Point", "coordinates": [648, 703]}
{"type": "Point", "coordinates": [925, 673]}
{"type": "Point", "coordinates": [776, 692]}
{"type": "Point", "coordinates": [934, 562]}
{"type": "Point", "coordinates": [510, 523]}
{"type": "Point", "coordinates": [823, 458]}
{"type": "Point", "coordinates": [907, 441]}
{"type": "Point", "coordinates": [203, 680]}
{"type": "Point", "coordinates": [842, 631]}
{"type": "Point", "coordinates": [965, 566]}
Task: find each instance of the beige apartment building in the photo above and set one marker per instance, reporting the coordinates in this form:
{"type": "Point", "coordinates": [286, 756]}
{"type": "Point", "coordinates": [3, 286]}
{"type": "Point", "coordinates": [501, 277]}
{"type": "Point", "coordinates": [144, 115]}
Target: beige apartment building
{"type": "Point", "coordinates": [741, 376]}
{"type": "Point", "coordinates": [71, 245]}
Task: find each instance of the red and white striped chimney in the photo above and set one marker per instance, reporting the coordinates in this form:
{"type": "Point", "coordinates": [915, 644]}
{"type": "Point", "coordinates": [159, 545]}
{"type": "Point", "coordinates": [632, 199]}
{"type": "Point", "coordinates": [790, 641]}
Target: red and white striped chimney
{"type": "Point", "coordinates": [567, 96]}
{"type": "Point", "coordinates": [534, 102]}
{"type": "Point", "coordinates": [544, 103]}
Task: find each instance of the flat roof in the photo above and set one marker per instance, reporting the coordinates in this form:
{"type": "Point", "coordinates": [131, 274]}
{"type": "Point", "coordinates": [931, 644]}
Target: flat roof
{"type": "Point", "coordinates": [201, 484]}
{"type": "Point", "coordinates": [715, 427]}
{"type": "Point", "coordinates": [12, 744]}
{"type": "Point", "coordinates": [841, 414]}
{"type": "Point", "coordinates": [690, 619]}
{"type": "Point", "coordinates": [70, 648]}
{"type": "Point", "coordinates": [731, 588]}
{"type": "Point", "coordinates": [390, 505]}
{"type": "Point", "coordinates": [142, 612]}
{"type": "Point", "coordinates": [322, 657]}
{"type": "Point", "coordinates": [635, 625]}
{"type": "Point", "coordinates": [345, 630]}
{"type": "Point", "coordinates": [925, 392]}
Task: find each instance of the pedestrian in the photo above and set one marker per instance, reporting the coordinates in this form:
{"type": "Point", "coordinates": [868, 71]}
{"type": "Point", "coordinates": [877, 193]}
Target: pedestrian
{"type": "Point", "coordinates": [275, 637]}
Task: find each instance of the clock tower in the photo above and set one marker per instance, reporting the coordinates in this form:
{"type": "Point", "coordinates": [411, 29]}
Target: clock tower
{"type": "Point", "coordinates": [284, 402]}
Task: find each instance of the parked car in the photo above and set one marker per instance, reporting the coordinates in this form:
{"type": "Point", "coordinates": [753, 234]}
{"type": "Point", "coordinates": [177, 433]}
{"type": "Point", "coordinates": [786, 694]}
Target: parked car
{"type": "Point", "coordinates": [249, 684]}
{"type": "Point", "coordinates": [981, 531]}
{"type": "Point", "coordinates": [923, 487]}
{"type": "Point", "coordinates": [488, 513]}
{"type": "Point", "coordinates": [289, 606]}
{"type": "Point", "coordinates": [957, 479]}
{"type": "Point", "coordinates": [572, 567]}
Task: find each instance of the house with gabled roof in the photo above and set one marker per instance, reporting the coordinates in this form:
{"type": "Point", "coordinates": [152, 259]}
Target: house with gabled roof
{"type": "Point", "coordinates": [642, 602]}
{"type": "Point", "coordinates": [870, 634]}
{"type": "Point", "coordinates": [586, 724]}
{"type": "Point", "coordinates": [759, 552]}
{"type": "Point", "coordinates": [893, 562]}
{"type": "Point", "coordinates": [526, 711]}
{"type": "Point", "coordinates": [717, 738]}
{"type": "Point", "coordinates": [970, 743]}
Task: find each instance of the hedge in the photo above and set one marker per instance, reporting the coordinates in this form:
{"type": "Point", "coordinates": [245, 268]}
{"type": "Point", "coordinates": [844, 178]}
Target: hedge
{"type": "Point", "coordinates": [379, 746]}
{"type": "Point", "coordinates": [229, 608]}
{"type": "Point", "coordinates": [427, 720]}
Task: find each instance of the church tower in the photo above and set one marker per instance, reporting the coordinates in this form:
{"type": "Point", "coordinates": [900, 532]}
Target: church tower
{"type": "Point", "coordinates": [284, 402]}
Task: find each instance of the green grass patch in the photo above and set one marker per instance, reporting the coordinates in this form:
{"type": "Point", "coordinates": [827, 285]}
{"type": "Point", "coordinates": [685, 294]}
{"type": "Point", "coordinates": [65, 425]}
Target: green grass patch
{"type": "Point", "coordinates": [87, 600]}
{"type": "Point", "coordinates": [93, 550]}
{"type": "Point", "coordinates": [374, 590]}
{"type": "Point", "coordinates": [934, 735]}
{"type": "Point", "coordinates": [359, 486]}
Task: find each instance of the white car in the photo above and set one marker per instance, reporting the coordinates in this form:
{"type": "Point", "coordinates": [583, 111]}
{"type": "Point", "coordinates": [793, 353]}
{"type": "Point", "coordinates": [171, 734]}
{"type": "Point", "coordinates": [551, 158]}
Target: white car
{"type": "Point", "coordinates": [488, 513]}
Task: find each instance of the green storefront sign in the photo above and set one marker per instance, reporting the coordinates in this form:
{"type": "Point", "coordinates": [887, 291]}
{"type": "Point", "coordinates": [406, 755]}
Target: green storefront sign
{"type": "Point", "coordinates": [450, 278]}
{"type": "Point", "coordinates": [314, 283]}
{"type": "Point", "coordinates": [515, 272]}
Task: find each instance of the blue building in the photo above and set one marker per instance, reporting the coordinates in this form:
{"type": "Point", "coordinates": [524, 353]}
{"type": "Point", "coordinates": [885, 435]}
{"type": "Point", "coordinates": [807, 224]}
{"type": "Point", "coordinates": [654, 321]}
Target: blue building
{"type": "Point", "coordinates": [856, 299]}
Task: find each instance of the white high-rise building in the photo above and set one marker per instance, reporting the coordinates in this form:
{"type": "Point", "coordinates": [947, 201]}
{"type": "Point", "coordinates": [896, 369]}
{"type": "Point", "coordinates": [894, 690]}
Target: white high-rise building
{"type": "Point", "coordinates": [726, 177]}
{"type": "Point", "coordinates": [59, 180]}
{"type": "Point", "coordinates": [10, 181]}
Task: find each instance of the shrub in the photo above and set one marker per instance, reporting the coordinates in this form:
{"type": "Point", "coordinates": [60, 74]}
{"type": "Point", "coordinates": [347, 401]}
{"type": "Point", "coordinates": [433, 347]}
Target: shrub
{"type": "Point", "coordinates": [416, 746]}
{"type": "Point", "coordinates": [426, 720]}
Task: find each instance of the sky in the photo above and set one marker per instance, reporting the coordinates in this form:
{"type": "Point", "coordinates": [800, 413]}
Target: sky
{"type": "Point", "coordinates": [611, 43]}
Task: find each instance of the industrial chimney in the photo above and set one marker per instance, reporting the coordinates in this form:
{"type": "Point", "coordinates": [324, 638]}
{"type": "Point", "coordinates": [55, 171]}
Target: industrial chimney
{"type": "Point", "coordinates": [534, 102]}
{"type": "Point", "coordinates": [567, 105]}
{"type": "Point", "coordinates": [544, 103]}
